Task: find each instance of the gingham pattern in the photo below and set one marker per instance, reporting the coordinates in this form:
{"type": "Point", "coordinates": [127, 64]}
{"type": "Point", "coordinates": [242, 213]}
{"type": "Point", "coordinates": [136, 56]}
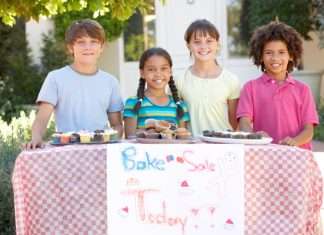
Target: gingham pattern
{"type": "Point", "coordinates": [62, 191]}
{"type": "Point", "coordinates": [283, 191]}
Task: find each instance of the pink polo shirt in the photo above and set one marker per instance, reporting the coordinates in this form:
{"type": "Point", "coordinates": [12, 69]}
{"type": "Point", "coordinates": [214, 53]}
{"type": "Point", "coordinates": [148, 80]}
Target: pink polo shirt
{"type": "Point", "coordinates": [280, 110]}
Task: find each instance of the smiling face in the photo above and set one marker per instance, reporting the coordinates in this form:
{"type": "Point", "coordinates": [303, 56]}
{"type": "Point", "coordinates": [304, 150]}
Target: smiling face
{"type": "Point", "coordinates": [203, 46]}
{"type": "Point", "coordinates": [156, 72]}
{"type": "Point", "coordinates": [276, 57]}
{"type": "Point", "coordinates": [86, 50]}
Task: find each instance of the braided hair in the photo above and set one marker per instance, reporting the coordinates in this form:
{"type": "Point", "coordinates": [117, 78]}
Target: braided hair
{"type": "Point", "coordinates": [176, 98]}
{"type": "Point", "coordinates": [156, 51]}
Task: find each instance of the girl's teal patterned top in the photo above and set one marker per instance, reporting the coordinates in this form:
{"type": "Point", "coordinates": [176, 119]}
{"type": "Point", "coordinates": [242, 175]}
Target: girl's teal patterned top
{"type": "Point", "coordinates": [150, 110]}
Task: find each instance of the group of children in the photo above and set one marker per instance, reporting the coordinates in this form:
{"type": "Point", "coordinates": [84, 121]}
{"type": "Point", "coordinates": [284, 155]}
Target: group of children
{"type": "Point", "coordinates": [205, 97]}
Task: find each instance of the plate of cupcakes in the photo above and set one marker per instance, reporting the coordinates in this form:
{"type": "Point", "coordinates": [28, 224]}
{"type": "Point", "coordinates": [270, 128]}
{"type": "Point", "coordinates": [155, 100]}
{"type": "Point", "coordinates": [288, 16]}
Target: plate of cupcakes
{"type": "Point", "coordinates": [85, 137]}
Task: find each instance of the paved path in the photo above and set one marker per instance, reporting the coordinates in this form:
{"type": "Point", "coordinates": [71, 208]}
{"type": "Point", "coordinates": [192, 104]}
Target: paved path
{"type": "Point", "coordinates": [318, 146]}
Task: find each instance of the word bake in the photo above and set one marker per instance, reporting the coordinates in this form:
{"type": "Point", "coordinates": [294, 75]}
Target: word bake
{"type": "Point", "coordinates": [130, 162]}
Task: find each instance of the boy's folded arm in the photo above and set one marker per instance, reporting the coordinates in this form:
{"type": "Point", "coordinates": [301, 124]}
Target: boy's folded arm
{"type": "Point", "coordinates": [303, 137]}
{"type": "Point", "coordinates": [115, 120]}
{"type": "Point", "coordinates": [39, 126]}
{"type": "Point", "coordinates": [245, 124]}
{"type": "Point", "coordinates": [130, 126]}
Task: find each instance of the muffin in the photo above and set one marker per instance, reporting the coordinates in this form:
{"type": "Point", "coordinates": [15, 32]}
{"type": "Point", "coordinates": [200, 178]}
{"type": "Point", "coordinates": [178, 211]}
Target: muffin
{"type": "Point", "coordinates": [162, 125]}
{"type": "Point", "coordinates": [140, 133]}
{"type": "Point", "coordinates": [150, 123]}
{"type": "Point", "coordinates": [152, 134]}
{"type": "Point", "coordinates": [182, 133]}
{"type": "Point", "coordinates": [167, 134]}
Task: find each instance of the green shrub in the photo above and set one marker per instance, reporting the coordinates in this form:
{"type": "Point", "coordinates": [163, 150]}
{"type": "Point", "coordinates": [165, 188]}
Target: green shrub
{"type": "Point", "coordinates": [12, 136]}
{"type": "Point", "coordinates": [319, 130]}
{"type": "Point", "coordinates": [19, 78]}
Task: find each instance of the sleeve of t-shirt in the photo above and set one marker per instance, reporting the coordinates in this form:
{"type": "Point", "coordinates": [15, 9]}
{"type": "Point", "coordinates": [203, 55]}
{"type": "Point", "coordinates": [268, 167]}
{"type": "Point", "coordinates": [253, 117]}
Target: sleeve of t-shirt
{"type": "Point", "coordinates": [245, 104]}
{"type": "Point", "coordinates": [129, 106]}
{"type": "Point", "coordinates": [186, 116]}
{"type": "Point", "coordinates": [48, 92]}
{"type": "Point", "coordinates": [235, 88]}
{"type": "Point", "coordinates": [309, 113]}
{"type": "Point", "coordinates": [116, 102]}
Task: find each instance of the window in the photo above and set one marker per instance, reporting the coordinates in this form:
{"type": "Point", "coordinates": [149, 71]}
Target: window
{"type": "Point", "coordinates": [236, 46]}
{"type": "Point", "coordinates": [139, 34]}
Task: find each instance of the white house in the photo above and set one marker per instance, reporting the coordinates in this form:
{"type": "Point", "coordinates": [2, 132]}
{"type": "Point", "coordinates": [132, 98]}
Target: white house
{"type": "Point", "coordinates": [165, 27]}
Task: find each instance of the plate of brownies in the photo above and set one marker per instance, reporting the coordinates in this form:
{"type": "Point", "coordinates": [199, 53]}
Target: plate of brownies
{"type": "Point", "coordinates": [163, 132]}
{"type": "Point", "coordinates": [232, 137]}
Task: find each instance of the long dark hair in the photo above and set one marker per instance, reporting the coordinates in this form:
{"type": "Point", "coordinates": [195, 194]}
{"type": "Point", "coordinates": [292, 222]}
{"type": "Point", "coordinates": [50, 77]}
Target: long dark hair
{"type": "Point", "coordinates": [157, 51]}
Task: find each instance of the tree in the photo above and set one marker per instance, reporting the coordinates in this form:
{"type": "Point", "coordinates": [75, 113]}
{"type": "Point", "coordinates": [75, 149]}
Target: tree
{"type": "Point", "coordinates": [19, 78]}
{"type": "Point", "coordinates": [119, 9]}
{"type": "Point", "coordinates": [304, 15]}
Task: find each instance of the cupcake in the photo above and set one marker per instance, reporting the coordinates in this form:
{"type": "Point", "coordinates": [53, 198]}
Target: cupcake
{"type": "Point", "coordinates": [113, 134]}
{"type": "Point", "coordinates": [56, 138]}
{"type": "Point", "coordinates": [65, 138]}
{"type": "Point", "coordinates": [105, 136]}
{"type": "Point", "coordinates": [75, 138]}
{"type": "Point", "coordinates": [85, 137]}
{"type": "Point", "coordinates": [97, 137]}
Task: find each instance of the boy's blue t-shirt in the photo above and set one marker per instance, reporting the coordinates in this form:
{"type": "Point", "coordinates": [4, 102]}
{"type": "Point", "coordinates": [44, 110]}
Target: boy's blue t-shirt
{"type": "Point", "coordinates": [81, 101]}
{"type": "Point", "coordinates": [150, 110]}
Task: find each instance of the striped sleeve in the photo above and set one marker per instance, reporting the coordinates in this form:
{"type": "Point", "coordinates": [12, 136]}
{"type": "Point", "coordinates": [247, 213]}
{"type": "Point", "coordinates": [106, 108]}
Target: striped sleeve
{"type": "Point", "coordinates": [186, 116]}
{"type": "Point", "coordinates": [129, 106]}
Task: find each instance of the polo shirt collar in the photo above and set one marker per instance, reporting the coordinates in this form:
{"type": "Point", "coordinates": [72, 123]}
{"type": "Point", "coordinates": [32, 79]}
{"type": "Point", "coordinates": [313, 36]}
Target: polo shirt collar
{"type": "Point", "coordinates": [268, 79]}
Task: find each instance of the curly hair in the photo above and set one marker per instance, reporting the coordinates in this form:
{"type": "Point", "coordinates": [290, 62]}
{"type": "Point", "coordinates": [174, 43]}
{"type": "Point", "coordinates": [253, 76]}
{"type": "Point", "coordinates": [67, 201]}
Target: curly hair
{"type": "Point", "coordinates": [157, 51]}
{"type": "Point", "coordinates": [276, 31]}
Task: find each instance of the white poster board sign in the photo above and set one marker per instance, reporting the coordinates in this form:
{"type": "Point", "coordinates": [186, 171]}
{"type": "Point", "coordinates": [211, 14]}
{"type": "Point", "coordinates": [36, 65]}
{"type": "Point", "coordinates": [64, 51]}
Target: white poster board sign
{"type": "Point", "coordinates": [180, 189]}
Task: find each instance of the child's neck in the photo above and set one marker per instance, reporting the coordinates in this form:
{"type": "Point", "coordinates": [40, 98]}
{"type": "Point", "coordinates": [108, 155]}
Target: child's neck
{"type": "Point", "coordinates": [158, 97]}
{"type": "Point", "coordinates": [87, 69]}
{"type": "Point", "coordinates": [155, 93]}
{"type": "Point", "coordinates": [206, 69]}
{"type": "Point", "coordinates": [279, 78]}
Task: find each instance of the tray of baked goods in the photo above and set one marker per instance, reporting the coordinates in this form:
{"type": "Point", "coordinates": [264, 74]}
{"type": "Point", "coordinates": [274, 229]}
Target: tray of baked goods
{"type": "Point", "coordinates": [233, 137]}
{"type": "Point", "coordinates": [85, 137]}
{"type": "Point", "coordinates": [163, 132]}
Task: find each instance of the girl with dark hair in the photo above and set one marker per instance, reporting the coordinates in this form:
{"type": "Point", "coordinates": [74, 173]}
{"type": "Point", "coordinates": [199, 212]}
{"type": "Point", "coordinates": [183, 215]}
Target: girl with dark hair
{"type": "Point", "coordinates": [210, 90]}
{"type": "Point", "coordinates": [152, 101]}
{"type": "Point", "coordinates": [276, 104]}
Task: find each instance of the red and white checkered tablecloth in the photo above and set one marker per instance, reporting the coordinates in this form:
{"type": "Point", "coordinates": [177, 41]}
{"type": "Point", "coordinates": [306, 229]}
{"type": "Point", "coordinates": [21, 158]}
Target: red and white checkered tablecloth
{"type": "Point", "coordinates": [62, 190]}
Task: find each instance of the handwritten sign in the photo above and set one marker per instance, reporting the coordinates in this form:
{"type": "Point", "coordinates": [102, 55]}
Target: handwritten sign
{"type": "Point", "coordinates": [175, 189]}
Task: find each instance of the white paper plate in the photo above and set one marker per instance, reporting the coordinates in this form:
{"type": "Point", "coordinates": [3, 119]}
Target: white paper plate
{"type": "Point", "coordinates": [263, 140]}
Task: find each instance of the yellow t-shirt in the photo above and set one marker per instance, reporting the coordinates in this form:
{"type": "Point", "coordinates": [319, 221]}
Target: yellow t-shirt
{"type": "Point", "coordinates": [207, 99]}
